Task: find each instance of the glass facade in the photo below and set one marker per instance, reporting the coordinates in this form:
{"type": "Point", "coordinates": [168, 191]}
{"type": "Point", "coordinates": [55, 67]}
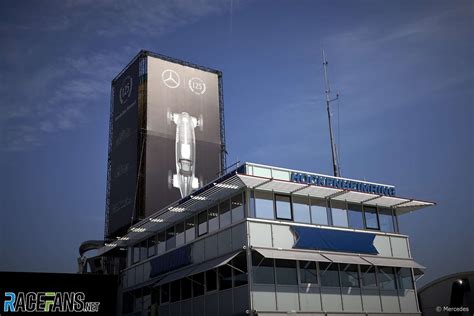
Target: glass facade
{"type": "Point", "coordinates": [301, 210]}
{"type": "Point", "coordinates": [283, 207]}
{"type": "Point", "coordinates": [355, 216]}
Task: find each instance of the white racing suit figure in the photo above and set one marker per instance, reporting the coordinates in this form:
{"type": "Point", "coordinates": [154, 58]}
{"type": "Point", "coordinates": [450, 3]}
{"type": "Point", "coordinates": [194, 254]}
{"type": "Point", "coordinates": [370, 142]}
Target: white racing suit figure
{"type": "Point", "coordinates": [185, 179]}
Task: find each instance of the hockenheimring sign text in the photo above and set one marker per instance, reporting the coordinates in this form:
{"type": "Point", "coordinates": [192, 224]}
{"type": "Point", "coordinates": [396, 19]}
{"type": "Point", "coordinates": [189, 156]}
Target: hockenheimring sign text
{"type": "Point", "coordinates": [344, 184]}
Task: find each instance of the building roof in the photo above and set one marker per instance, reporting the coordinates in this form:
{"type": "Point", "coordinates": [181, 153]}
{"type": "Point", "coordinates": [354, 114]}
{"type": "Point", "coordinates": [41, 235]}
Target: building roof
{"type": "Point", "coordinates": [265, 178]}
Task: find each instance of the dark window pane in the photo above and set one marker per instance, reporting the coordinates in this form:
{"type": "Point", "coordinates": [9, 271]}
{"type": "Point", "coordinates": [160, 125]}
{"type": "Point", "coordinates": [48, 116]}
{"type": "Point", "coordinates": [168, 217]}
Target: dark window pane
{"type": "Point", "coordinates": [319, 213]}
{"type": "Point", "coordinates": [165, 293]}
{"type": "Point", "coordinates": [349, 275]}
{"type": "Point", "coordinates": [152, 246]}
{"type": "Point", "coordinates": [386, 220]}
{"type": "Point", "coordinates": [161, 247]}
{"type": "Point", "coordinates": [225, 277]}
{"type": "Point", "coordinates": [283, 207]}
{"type": "Point", "coordinates": [339, 214]}
{"type": "Point", "coordinates": [386, 278]}
{"type": "Point", "coordinates": [190, 229]}
{"type": "Point", "coordinates": [155, 295]}
{"type": "Point", "coordinates": [179, 234]}
{"type": "Point", "coordinates": [202, 223]}
{"type": "Point", "coordinates": [170, 238]}
{"type": "Point", "coordinates": [224, 213]}
{"type": "Point", "coordinates": [264, 205]}
{"type": "Point", "coordinates": [198, 284]}
{"type": "Point", "coordinates": [175, 291]}
{"type": "Point", "coordinates": [237, 206]}
{"type": "Point", "coordinates": [308, 272]}
{"type": "Point", "coordinates": [405, 280]}
{"type": "Point", "coordinates": [136, 253]}
{"type": "Point", "coordinates": [186, 288]}
{"type": "Point", "coordinates": [286, 272]}
{"type": "Point", "coordinates": [213, 218]}
{"type": "Point", "coordinates": [211, 280]}
{"type": "Point", "coordinates": [354, 214]}
{"type": "Point", "coordinates": [371, 220]}
{"type": "Point", "coordinates": [301, 210]}
{"type": "Point", "coordinates": [240, 270]}
{"type": "Point", "coordinates": [143, 250]}
{"type": "Point", "coordinates": [262, 269]}
{"type": "Point", "coordinates": [329, 274]}
{"type": "Point", "coordinates": [368, 276]}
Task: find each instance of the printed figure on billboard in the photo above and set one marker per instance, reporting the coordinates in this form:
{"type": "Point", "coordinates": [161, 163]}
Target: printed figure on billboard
{"type": "Point", "coordinates": [185, 152]}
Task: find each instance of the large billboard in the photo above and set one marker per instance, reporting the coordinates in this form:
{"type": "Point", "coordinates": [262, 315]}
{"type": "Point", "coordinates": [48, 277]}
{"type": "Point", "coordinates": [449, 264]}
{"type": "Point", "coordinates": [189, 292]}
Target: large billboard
{"type": "Point", "coordinates": [183, 141]}
{"type": "Point", "coordinates": [123, 149]}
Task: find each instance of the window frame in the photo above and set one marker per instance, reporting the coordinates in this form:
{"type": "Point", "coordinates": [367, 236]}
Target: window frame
{"type": "Point", "coordinates": [275, 208]}
{"type": "Point", "coordinates": [376, 217]}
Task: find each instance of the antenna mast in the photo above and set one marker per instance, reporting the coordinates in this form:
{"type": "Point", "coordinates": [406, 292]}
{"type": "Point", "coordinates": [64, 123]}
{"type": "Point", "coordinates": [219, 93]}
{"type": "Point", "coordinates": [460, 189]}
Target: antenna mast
{"type": "Point", "coordinates": [328, 101]}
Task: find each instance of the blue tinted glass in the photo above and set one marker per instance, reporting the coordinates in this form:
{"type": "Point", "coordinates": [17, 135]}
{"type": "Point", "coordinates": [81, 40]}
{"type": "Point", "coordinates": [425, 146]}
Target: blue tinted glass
{"type": "Point", "coordinates": [354, 214]}
{"type": "Point", "coordinates": [301, 210]}
{"type": "Point", "coordinates": [264, 205]}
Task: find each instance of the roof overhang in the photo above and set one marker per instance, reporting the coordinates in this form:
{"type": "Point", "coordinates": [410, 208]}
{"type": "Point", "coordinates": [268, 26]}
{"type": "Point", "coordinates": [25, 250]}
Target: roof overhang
{"type": "Point", "coordinates": [236, 180]}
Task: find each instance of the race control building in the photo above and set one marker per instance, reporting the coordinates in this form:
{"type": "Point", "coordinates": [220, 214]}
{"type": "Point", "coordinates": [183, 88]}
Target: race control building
{"type": "Point", "coordinates": [263, 240]}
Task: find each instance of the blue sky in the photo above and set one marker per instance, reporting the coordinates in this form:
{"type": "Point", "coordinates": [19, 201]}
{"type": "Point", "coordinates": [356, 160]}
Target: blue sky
{"type": "Point", "coordinates": [404, 70]}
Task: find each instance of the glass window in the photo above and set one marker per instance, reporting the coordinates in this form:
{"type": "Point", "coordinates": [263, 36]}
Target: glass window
{"type": "Point", "coordinates": [283, 207]}
{"type": "Point", "coordinates": [237, 206]}
{"type": "Point", "coordinates": [368, 276]}
{"type": "Point", "coordinates": [264, 205]}
{"type": "Point", "coordinates": [136, 253]}
{"type": "Point", "coordinates": [175, 288]}
{"type": "Point", "coordinates": [186, 288]}
{"type": "Point", "coordinates": [170, 238]}
{"type": "Point", "coordinates": [198, 284]}
{"type": "Point", "coordinates": [319, 213]}
{"type": "Point", "coordinates": [239, 264]}
{"type": "Point", "coordinates": [161, 247]}
{"type": "Point", "coordinates": [179, 234]}
{"type": "Point", "coordinates": [211, 280]}
{"type": "Point", "coordinates": [165, 293]}
{"type": "Point", "coordinates": [339, 217]}
{"type": "Point", "coordinates": [152, 246]}
{"type": "Point", "coordinates": [143, 249]}
{"type": "Point", "coordinates": [386, 220]}
{"type": "Point", "coordinates": [354, 214]}
{"type": "Point", "coordinates": [224, 213]}
{"type": "Point", "coordinates": [213, 218]}
{"type": "Point", "coordinates": [202, 223]}
{"type": "Point", "coordinates": [349, 275]}
{"type": "Point", "coordinates": [286, 272]}
{"type": "Point", "coordinates": [386, 278]}
{"type": "Point", "coordinates": [405, 280]}
{"type": "Point", "coordinates": [301, 209]}
{"type": "Point", "coordinates": [262, 269]}
{"type": "Point", "coordinates": [138, 300]}
{"type": "Point", "coordinates": [225, 277]}
{"type": "Point", "coordinates": [308, 272]}
{"type": "Point", "coordinates": [146, 299]}
{"type": "Point", "coordinates": [155, 296]}
{"type": "Point", "coordinates": [371, 220]}
{"type": "Point", "coordinates": [190, 229]}
{"type": "Point", "coordinates": [329, 273]}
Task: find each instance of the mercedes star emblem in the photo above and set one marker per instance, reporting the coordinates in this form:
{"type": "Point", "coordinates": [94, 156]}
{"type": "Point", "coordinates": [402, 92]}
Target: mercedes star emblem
{"type": "Point", "coordinates": [170, 78]}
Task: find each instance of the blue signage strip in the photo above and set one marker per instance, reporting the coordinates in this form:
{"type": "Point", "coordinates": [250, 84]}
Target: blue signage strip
{"type": "Point", "coordinates": [334, 240]}
{"type": "Point", "coordinates": [172, 260]}
{"type": "Point", "coordinates": [344, 184]}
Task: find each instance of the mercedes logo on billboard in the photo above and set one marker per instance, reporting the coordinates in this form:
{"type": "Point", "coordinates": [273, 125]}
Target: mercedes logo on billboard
{"type": "Point", "coordinates": [125, 89]}
{"type": "Point", "coordinates": [170, 78]}
{"type": "Point", "coordinates": [197, 85]}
